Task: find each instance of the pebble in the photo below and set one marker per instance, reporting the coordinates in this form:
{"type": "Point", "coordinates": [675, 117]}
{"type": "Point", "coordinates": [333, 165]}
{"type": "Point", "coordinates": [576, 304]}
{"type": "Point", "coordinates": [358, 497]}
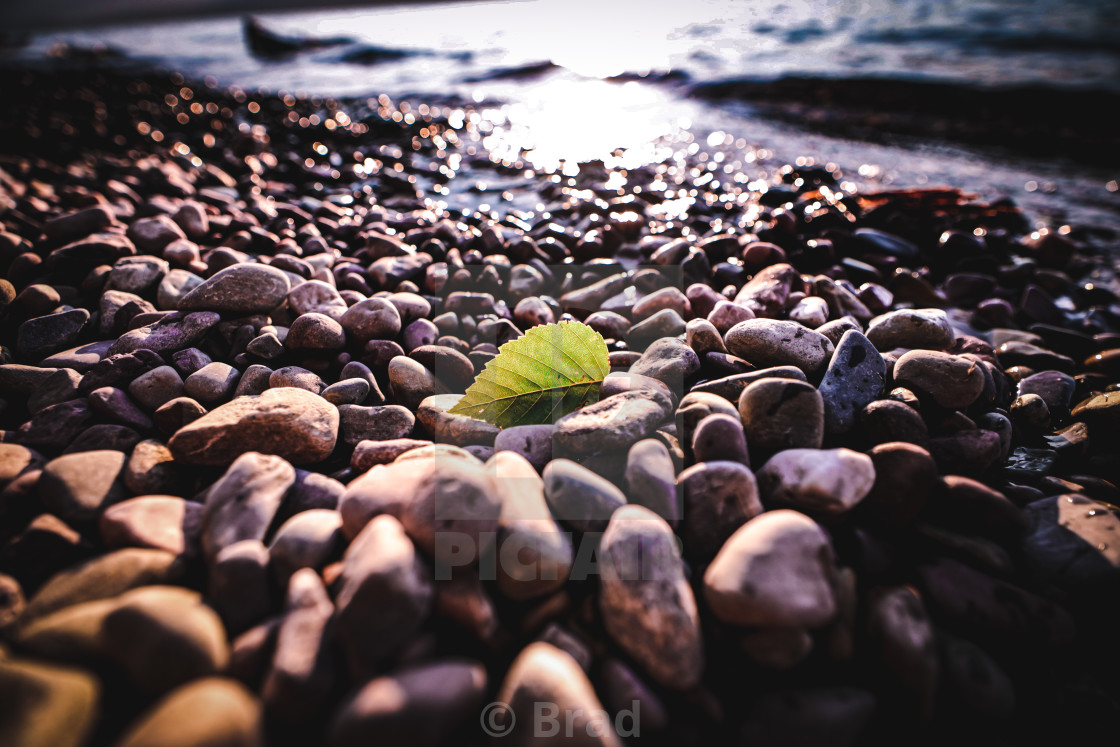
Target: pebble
{"type": "Point", "coordinates": [768, 291]}
{"type": "Point", "coordinates": [726, 315]}
{"type": "Point", "coordinates": [646, 601]}
{"type": "Point", "coordinates": [172, 332]}
{"type": "Point", "coordinates": [451, 367]}
{"type": "Point", "coordinates": [411, 382]}
{"type": "Point", "coordinates": [77, 487]}
{"type": "Point", "coordinates": [774, 570]}
{"type": "Point", "coordinates": [159, 522]}
{"type": "Point", "coordinates": [651, 479]}
{"type": "Point", "coordinates": [153, 234]}
{"type": "Point", "coordinates": [174, 285]}
{"type": "Point", "coordinates": [828, 480]}
{"type": "Point", "coordinates": [163, 637]}
{"type": "Point", "coordinates": [238, 584]}
{"type": "Point", "coordinates": [668, 360]}
{"type": "Point", "coordinates": [616, 422]}
{"type": "Point", "coordinates": [719, 497]}
{"type": "Point", "coordinates": [156, 387]}
{"type": "Point", "coordinates": [315, 296]}
{"type": "Point", "coordinates": [45, 335]}
{"type": "Point", "coordinates": [904, 476]}
{"type": "Point", "coordinates": [212, 383]}
{"type": "Point", "coordinates": [206, 711]}
{"type": "Point", "coordinates": [422, 705]}
{"type": "Point", "coordinates": [1099, 410]}
{"type": "Point", "coordinates": [887, 420]}
{"type": "Point", "coordinates": [543, 673]}
{"type": "Point", "coordinates": [296, 377]}
{"type": "Point", "coordinates": [176, 413]}
{"type": "Point", "coordinates": [303, 666]}
{"type": "Point", "coordinates": [307, 540]}
{"type": "Point", "coordinates": [578, 497]}
{"type": "Point", "coordinates": [911, 328]}
{"type": "Point", "coordinates": [445, 427]}
{"type": "Point", "coordinates": [855, 378]}
{"type": "Point", "coordinates": [1054, 387]}
{"type": "Point", "coordinates": [47, 704]}
{"type": "Point", "coordinates": [952, 381]}
{"type": "Point", "coordinates": [384, 593]}
{"type": "Point", "coordinates": [103, 577]}
{"type": "Point", "coordinates": [385, 423]}
{"type": "Point", "coordinates": [152, 469]}
{"type": "Point", "coordinates": [368, 454]}
{"type": "Point", "coordinates": [242, 288]}
{"type": "Point", "coordinates": [703, 337]}
{"type": "Point", "coordinates": [774, 342]}
{"type": "Point", "coordinates": [292, 423]}
{"type": "Point", "coordinates": [534, 556]}
{"type": "Point", "coordinates": [315, 332]}
{"type": "Point", "coordinates": [811, 311]}
{"type": "Point", "coordinates": [243, 502]}
{"type": "Point", "coordinates": [138, 275]}
{"type": "Point", "coordinates": [610, 325]}
{"type": "Point", "coordinates": [968, 452]}
{"type": "Point", "coordinates": [665, 323]}
{"type": "Point", "coordinates": [782, 414]}
{"type": "Point", "coordinates": [16, 460]}
{"type": "Point", "coordinates": [720, 437]}
{"type": "Point", "coordinates": [533, 442]}
{"type": "Point", "coordinates": [832, 715]}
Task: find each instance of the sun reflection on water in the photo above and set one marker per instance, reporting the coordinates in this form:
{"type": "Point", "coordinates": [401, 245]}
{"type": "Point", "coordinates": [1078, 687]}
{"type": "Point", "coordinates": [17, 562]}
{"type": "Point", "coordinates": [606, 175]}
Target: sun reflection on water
{"type": "Point", "coordinates": [565, 122]}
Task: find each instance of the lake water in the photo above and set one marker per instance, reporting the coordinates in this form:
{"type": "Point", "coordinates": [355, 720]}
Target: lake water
{"type": "Point", "coordinates": [564, 111]}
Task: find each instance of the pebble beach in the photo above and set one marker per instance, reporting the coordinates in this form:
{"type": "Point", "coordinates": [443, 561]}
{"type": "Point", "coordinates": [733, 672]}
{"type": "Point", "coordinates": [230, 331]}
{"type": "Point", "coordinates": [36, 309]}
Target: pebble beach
{"type": "Point", "coordinates": [852, 478]}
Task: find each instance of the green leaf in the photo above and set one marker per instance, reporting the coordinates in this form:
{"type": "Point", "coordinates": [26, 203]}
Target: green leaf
{"type": "Point", "coordinates": [550, 371]}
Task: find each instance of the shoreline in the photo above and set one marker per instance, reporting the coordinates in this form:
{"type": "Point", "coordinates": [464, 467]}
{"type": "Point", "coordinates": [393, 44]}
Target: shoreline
{"type": "Point", "coordinates": [183, 262]}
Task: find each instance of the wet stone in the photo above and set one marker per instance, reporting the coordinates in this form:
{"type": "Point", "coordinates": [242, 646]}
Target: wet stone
{"type": "Point", "coordinates": [854, 378]}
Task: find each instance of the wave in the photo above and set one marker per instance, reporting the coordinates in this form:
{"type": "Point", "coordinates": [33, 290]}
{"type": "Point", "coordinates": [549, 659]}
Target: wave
{"type": "Point", "coordinates": [1037, 119]}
